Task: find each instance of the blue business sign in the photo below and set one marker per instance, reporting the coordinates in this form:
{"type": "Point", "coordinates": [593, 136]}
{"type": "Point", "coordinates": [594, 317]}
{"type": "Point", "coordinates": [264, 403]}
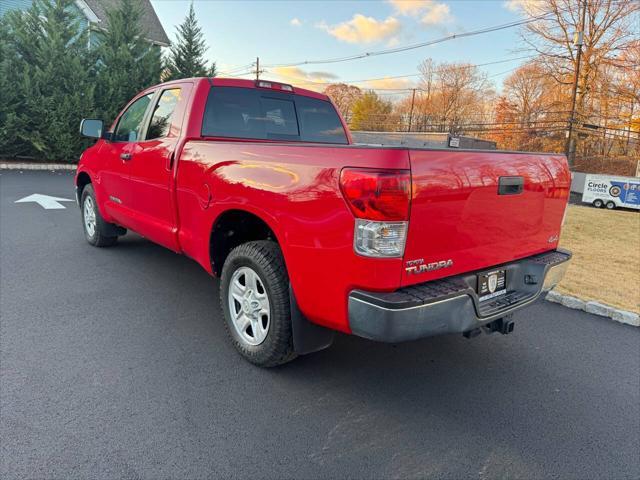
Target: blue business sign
{"type": "Point", "coordinates": [627, 192]}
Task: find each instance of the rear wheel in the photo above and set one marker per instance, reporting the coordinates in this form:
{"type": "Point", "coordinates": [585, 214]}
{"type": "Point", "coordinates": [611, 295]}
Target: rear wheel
{"type": "Point", "coordinates": [254, 295]}
{"type": "Point", "coordinates": [92, 222]}
{"type": "Point", "coordinates": [598, 203]}
{"type": "Point", "coordinates": [611, 205]}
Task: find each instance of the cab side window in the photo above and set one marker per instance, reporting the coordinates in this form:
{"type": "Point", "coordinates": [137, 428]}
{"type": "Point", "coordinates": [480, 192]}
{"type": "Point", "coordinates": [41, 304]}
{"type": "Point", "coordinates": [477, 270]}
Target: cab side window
{"type": "Point", "coordinates": [130, 125]}
{"type": "Point", "coordinates": [162, 117]}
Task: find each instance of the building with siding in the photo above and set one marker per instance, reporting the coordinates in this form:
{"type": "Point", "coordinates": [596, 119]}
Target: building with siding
{"type": "Point", "coordinates": [93, 14]}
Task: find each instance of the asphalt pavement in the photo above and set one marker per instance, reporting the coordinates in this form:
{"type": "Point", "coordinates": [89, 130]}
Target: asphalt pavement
{"type": "Point", "coordinates": [114, 364]}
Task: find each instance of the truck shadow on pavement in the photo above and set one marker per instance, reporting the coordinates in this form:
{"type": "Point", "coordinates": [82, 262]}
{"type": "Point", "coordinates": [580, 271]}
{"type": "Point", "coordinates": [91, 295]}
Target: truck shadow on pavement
{"type": "Point", "coordinates": [115, 362]}
{"type": "Point", "coordinates": [484, 403]}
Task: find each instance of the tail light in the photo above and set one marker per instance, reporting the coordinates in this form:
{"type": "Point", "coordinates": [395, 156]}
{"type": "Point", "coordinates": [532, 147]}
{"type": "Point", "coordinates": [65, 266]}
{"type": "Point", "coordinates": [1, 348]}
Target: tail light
{"type": "Point", "coordinates": [379, 199]}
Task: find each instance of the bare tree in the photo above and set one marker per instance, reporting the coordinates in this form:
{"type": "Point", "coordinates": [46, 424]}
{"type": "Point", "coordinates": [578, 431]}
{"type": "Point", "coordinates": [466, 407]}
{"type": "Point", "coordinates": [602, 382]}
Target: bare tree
{"type": "Point", "coordinates": [609, 30]}
{"type": "Point", "coordinates": [525, 90]}
{"type": "Point", "coordinates": [427, 71]}
{"type": "Point", "coordinates": [528, 115]}
{"type": "Point", "coordinates": [460, 90]}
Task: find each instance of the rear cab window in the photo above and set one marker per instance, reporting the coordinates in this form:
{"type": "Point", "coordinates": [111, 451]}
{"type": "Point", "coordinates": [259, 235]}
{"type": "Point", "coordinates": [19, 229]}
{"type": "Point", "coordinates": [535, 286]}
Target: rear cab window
{"type": "Point", "coordinates": [237, 112]}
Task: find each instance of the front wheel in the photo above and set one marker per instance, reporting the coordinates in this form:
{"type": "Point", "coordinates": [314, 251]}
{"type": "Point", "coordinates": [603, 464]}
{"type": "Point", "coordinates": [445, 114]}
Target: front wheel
{"type": "Point", "coordinates": [92, 222]}
{"type": "Point", "coordinates": [598, 203]}
{"type": "Point", "coordinates": [254, 295]}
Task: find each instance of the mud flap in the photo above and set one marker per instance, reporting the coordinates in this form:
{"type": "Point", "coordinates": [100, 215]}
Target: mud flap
{"type": "Point", "coordinates": [113, 230]}
{"type": "Point", "coordinates": [307, 337]}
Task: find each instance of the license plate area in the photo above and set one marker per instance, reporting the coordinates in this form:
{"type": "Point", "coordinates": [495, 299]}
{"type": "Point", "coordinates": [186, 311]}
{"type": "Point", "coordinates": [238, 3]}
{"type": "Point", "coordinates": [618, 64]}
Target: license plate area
{"type": "Point", "coordinates": [491, 284]}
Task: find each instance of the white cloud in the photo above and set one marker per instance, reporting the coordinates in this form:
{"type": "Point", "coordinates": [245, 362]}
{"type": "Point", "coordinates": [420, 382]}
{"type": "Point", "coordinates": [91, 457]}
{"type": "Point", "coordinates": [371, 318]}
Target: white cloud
{"type": "Point", "coordinates": [439, 13]}
{"type": "Point", "coordinates": [410, 7]}
{"type": "Point", "coordinates": [362, 29]}
{"type": "Point", "coordinates": [431, 12]}
{"type": "Point", "coordinates": [513, 5]}
{"type": "Point", "coordinates": [295, 22]}
{"type": "Point", "coordinates": [301, 78]}
{"type": "Point", "coordinates": [388, 83]}
{"type": "Point", "coordinates": [393, 41]}
{"type": "Point", "coordinates": [530, 7]}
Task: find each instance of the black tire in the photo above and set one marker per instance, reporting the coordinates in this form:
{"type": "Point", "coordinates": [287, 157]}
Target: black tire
{"type": "Point", "coordinates": [611, 205]}
{"type": "Point", "coordinates": [97, 238]}
{"type": "Point", "coordinates": [265, 259]}
{"type": "Point", "coordinates": [598, 203]}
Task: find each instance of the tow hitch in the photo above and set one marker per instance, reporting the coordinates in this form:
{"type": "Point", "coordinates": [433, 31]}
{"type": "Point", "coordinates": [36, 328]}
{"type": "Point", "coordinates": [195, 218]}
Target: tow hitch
{"type": "Point", "coordinates": [502, 325]}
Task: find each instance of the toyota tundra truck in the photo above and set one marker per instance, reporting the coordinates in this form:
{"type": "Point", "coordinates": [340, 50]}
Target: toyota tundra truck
{"type": "Point", "coordinates": [261, 184]}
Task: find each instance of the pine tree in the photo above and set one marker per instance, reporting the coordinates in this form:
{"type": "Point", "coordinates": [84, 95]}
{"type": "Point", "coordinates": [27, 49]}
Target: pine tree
{"type": "Point", "coordinates": [9, 96]}
{"type": "Point", "coordinates": [186, 57]}
{"type": "Point", "coordinates": [126, 62]}
{"type": "Point", "coordinates": [44, 63]}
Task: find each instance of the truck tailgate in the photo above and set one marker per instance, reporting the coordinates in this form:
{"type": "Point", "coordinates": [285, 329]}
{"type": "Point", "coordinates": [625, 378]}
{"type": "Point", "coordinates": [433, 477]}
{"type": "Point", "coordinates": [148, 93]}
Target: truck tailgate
{"type": "Point", "coordinates": [473, 210]}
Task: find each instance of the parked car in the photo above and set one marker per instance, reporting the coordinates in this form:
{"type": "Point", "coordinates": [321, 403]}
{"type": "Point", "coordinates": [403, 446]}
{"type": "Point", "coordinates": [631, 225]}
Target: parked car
{"type": "Point", "coordinates": [612, 191]}
{"type": "Point", "coordinates": [260, 183]}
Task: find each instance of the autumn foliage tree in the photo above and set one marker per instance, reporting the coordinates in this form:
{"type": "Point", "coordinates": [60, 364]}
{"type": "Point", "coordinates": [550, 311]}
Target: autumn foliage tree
{"type": "Point", "coordinates": [610, 37]}
{"type": "Point", "coordinates": [343, 96]}
{"type": "Point", "coordinates": [370, 112]}
{"type": "Point", "coordinates": [528, 114]}
{"type": "Point", "coordinates": [449, 96]}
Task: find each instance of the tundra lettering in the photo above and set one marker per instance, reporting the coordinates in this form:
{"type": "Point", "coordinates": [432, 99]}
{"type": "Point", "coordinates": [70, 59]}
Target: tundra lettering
{"type": "Point", "coordinates": [421, 267]}
{"type": "Point", "coordinates": [261, 184]}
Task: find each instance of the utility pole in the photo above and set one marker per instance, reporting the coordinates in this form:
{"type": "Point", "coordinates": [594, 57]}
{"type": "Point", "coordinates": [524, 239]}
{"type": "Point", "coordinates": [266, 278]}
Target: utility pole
{"type": "Point", "coordinates": [413, 100]}
{"type": "Point", "coordinates": [257, 68]}
{"type": "Point", "coordinates": [570, 147]}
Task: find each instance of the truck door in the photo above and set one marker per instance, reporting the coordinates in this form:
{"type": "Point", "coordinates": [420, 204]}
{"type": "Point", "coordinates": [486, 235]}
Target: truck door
{"type": "Point", "coordinates": [117, 154]}
{"type": "Point", "coordinates": [153, 166]}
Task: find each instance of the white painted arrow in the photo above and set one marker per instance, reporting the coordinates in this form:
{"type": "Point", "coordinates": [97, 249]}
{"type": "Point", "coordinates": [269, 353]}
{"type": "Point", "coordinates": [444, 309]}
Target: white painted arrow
{"type": "Point", "coordinates": [45, 201]}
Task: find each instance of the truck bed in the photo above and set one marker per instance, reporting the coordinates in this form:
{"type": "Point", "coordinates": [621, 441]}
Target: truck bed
{"type": "Point", "coordinates": [454, 216]}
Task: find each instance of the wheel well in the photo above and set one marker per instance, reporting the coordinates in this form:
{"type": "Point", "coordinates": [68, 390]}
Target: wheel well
{"type": "Point", "coordinates": [83, 181]}
{"type": "Point", "coordinates": [234, 228]}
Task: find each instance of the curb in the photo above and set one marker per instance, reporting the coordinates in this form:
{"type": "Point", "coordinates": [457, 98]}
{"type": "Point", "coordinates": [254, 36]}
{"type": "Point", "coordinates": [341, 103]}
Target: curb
{"type": "Point", "coordinates": [595, 308]}
{"type": "Point", "coordinates": [37, 166]}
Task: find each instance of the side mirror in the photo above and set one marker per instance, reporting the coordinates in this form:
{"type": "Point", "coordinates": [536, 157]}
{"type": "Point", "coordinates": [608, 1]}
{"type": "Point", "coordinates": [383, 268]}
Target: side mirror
{"type": "Point", "coordinates": [91, 128]}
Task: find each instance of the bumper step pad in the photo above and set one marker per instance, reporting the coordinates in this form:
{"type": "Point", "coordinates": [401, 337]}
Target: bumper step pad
{"type": "Point", "coordinates": [451, 304]}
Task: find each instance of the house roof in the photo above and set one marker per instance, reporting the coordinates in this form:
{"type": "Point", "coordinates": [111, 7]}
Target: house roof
{"type": "Point", "coordinates": [150, 21]}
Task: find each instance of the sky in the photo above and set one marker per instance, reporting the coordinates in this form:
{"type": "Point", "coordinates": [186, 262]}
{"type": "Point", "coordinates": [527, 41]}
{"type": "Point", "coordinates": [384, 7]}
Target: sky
{"type": "Point", "coordinates": [282, 32]}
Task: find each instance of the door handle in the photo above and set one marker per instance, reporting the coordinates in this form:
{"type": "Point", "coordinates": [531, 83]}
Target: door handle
{"type": "Point", "coordinates": [510, 185]}
{"type": "Point", "coordinates": [125, 156]}
{"type": "Point", "coordinates": [170, 160]}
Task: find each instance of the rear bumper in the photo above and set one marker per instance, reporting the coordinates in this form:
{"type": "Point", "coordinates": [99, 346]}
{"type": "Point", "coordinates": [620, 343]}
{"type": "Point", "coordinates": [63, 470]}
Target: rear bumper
{"type": "Point", "coordinates": [451, 305]}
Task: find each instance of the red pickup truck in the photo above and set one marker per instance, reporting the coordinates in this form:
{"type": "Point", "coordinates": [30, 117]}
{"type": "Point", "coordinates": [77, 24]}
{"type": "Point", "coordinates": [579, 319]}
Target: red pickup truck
{"type": "Point", "coordinates": [260, 183]}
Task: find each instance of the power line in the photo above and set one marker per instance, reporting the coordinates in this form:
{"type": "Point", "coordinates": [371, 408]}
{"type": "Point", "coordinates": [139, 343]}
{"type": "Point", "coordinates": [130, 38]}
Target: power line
{"type": "Point", "coordinates": [461, 67]}
{"type": "Point", "coordinates": [236, 69]}
{"type": "Point", "coordinates": [502, 73]}
{"type": "Point", "coordinates": [238, 75]}
{"type": "Point", "coordinates": [413, 46]}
